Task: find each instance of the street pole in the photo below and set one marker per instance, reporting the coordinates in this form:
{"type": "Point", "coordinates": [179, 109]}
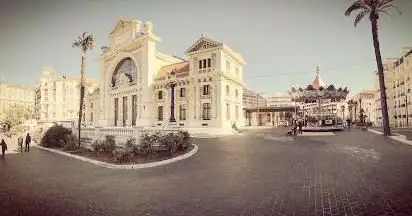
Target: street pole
{"type": "Point", "coordinates": [406, 107]}
{"type": "Point", "coordinates": [257, 113]}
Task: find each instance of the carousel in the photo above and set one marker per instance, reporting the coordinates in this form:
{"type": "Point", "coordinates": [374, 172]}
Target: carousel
{"type": "Point", "coordinates": [320, 105]}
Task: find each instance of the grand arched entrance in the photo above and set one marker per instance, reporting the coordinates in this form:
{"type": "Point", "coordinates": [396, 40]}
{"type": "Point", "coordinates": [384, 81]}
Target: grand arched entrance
{"type": "Point", "coordinates": [124, 93]}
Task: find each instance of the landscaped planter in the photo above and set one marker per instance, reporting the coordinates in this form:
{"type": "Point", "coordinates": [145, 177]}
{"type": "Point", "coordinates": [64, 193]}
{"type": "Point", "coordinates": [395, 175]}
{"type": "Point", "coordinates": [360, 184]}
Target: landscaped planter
{"type": "Point", "coordinates": [151, 148]}
{"type": "Point", "coordinates": [140, 158]}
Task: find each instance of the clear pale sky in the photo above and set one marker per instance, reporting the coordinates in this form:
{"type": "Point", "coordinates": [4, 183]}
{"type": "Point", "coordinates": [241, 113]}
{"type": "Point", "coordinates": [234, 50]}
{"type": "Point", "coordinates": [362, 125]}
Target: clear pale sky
{"type": "Point", "coordinates": [282, 41]}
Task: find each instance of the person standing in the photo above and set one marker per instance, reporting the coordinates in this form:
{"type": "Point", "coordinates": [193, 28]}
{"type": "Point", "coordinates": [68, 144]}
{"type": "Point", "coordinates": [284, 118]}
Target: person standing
{"type": "Point", "coordinates": [3, 147]}
{"type": "Point", "coordinates": [300, 125]}
{"type": "Point", "coordinates": [28, 140]}
{"type": "Point", "coordinates": [20, 142]}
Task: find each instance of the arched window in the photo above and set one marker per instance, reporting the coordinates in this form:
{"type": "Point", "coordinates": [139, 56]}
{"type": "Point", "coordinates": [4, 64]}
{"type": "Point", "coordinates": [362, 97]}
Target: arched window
{"type": "Point", "coordinates": [126, 67]}
{"type": "Point", "coordinates": [227, 90]}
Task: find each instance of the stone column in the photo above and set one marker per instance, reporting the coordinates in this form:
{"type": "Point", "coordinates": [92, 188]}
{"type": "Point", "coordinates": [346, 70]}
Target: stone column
{"type": "Point", "coordinates": [130, 110]}
{"type": "Point", "coordinates": [172, 102]}
{"type": "Point", "coordinates": [120, 112]}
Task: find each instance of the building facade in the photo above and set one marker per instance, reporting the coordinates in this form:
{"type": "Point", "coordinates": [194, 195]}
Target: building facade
{"type": "Point", "coordinates": [280, 100]}
{"type": "Point", "coordinates": [363, 100]}
{"type": "Point", "coordinates": [252, 99]}
{"type": "Point", "coordinates": [140, 86]}
{"type": "Point", "coordinates": [15, 94]}
{"type": "Point", "coordinates": [57, 97]}
{"type": "Point", "coordinates": [397, 73]}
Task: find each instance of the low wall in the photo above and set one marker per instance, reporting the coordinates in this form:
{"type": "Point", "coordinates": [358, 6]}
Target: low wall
{"type": "Point", "coordinates": [121, 134]}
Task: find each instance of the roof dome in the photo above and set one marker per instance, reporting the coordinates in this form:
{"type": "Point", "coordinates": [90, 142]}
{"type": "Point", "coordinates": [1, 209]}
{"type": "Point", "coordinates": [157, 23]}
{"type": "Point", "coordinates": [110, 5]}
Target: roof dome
{"type": "Point", "coordinates": [318, 82]}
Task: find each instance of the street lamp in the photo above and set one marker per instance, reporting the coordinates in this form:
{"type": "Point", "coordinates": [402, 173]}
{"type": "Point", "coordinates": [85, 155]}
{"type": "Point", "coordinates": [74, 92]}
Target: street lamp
{"type": "Point", "coordinates": [406, 110]}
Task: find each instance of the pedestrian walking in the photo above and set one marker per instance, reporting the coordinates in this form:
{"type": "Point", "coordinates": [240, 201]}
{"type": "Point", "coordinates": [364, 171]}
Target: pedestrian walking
{"type": "Point", "coordinates": [20, 143]}
{"type": "Point", "coordinates": [28, 140]}
{"type": "Point", "coordinates": [295, 127]}
{"type": "Point", "coordinates": [300, 125]}
{"type": "Point", "coordinates": [3, 147]}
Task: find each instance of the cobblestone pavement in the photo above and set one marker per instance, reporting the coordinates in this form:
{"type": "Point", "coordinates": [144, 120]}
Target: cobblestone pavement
{"type": "Point", "coordinates": [351, 173]}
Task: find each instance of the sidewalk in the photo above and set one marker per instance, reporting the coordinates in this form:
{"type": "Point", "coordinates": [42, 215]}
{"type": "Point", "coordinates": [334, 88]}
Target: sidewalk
{"type": "Point", "coordinates": [397, 137]}
{"type": "Point", "coordinates": [12, 145]}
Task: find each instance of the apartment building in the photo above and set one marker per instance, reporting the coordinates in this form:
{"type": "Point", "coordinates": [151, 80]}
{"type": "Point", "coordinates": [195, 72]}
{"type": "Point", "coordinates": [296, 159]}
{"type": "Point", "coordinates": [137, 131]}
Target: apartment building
{"type": "Point", "coordinates": [15, 94]}
{"type": "Point", "coordinates": [252, 99]}
{"type": "Point", "coordinates": [57, 97]}
{"type": "Point", "coordinates": [397, 72]}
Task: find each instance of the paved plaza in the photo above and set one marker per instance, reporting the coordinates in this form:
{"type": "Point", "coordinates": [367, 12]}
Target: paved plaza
{"type": "Point", "coordinates": [260, 172]}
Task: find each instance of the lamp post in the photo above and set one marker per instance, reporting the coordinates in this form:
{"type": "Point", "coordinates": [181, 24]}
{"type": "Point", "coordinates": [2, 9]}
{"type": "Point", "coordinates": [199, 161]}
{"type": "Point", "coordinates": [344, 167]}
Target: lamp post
{"type": "Point", "coordinates": [406, 110]}
{"type": "Point", "coordinates": [360, 112]}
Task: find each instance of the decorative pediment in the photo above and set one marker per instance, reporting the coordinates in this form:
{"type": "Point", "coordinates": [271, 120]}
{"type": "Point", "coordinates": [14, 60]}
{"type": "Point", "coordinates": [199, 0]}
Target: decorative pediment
{"type": "Point", "coordinates": [125, 24]}
{"type": "Point", "coordinates": [203, 43]}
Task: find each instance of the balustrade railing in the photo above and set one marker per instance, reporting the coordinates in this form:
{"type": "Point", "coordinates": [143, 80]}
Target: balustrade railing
{"type": "Point", "coordinates": [121, 134]}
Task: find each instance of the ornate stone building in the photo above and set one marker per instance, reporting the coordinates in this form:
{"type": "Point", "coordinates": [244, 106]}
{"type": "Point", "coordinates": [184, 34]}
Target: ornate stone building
{"type": "Point", "coordinates": [139, 86]}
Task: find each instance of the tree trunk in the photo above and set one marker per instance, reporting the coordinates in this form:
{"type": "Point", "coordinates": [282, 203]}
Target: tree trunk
{"type": "Point", "coordinates": [385, 116]}
{"type": "Point", "coordinates": [82, 74]}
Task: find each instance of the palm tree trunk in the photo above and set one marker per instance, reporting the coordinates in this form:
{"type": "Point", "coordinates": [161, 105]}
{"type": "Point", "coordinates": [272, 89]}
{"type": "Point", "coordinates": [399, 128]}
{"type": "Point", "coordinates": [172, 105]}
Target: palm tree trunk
{"type": "Point", "coordinates": [82, 73]}
{"type": "Point", "coordinates": [385, 116]}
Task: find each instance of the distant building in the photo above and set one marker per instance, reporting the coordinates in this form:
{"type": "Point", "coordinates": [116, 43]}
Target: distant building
{"type": "Point", "coordinates": [397, 73]}
{"type": "Point", "coordinates": [252, 99]}
{"type": "Point", "coordinates": [280, 100]}
{"type": "Point", "coordinates": [57, 97]}
{"type": "Point", "coordinates": [15, 94]}
{"type": "Point", "coordinates": [363, 100]}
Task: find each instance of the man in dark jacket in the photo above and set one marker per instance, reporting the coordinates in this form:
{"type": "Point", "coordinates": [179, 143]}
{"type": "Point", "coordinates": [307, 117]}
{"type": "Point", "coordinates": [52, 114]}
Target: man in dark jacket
{"type": "Point", "coordinates": [28, 140]}
{"type": "Point", "coordinates": [3, 147]}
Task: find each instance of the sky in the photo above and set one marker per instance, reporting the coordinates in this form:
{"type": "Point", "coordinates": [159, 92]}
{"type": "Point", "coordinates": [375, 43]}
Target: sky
{"type": "Point", "coordinates": [282, 41]}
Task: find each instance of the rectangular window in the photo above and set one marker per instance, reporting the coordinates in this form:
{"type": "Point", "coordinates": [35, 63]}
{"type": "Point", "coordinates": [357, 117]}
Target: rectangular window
{"type": "Point", "coordinates": [160, 95]}
{"type": "Point", "coordinates": [160, 113]}
{"type": "Point", "coordinates": [116, 110]}
{"type": "Point", "coordinates": [91, 117]}
{"type": "Point", "coordinates": [200, 64]}
{"type": "Point", "coordinates": [209, 63]}
{"type": "Point", "coordinates": [204, 63]}
{"type": "Point", "coordinates": [182, 114]}
{"type": "Point", "coordinates": [206, 111]}
{"type": "Point", "coordinates": [91, 105]}
{"type": "Point", "coordinates": [206, 89]}
{"type": "Point", "coordinates": [227, 66]}
{"type": "Point", "coordinates": [268, 117]}
{"type": "Point", "coordinates": [227, 111]}
{"type": "Point", "coordinates": [182, 92]}
{"type": "Point", "coordinates": [124, 110]}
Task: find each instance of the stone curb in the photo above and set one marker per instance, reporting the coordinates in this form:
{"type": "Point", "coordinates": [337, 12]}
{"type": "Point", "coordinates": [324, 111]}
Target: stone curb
{"type": "Point", "coordinates": [128, 166]}
{"type": "Point", "coordinates": [399, 138]}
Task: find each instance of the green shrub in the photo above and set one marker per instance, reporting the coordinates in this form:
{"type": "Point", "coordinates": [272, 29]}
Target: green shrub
{"type": "Point", "coordinates": [147, 141]}
{"type": "Point", "coordinates": [122, 154]}
{"type": "Point", "coordinates": [186, 140]}
{"type": "Point", "coordinates": [71, 143]}
{"type": "Point", "coordinates": [107, 145]}
{"type": "Point", "coordinates": [55, 136]}
{"type": "Point", "coordinates": [131, 146]}
{"type": "Point", "coordinates": [170, 141]}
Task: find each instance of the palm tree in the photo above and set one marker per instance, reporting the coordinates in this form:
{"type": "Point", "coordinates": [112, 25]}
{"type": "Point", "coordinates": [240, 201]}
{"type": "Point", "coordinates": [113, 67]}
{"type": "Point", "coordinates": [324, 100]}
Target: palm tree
{"type": "Point", "coordinates": [374, 8]}
{"type": "Point", "coordinates": [84, 42]}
